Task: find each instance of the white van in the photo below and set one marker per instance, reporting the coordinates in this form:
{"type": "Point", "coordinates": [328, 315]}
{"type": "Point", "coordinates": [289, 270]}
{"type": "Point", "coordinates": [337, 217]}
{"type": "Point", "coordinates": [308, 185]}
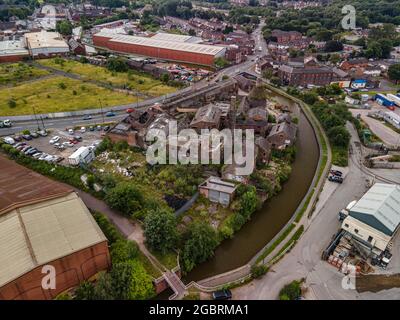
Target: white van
{"type": "Point", "coordinates": [8, 140]}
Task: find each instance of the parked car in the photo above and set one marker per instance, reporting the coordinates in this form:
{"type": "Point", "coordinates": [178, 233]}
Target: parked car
{"type": "Point", "coordinates": [58, 159]}
{"type": "Point", "coordinates": [337, 173]}
{"type": "Point", "coordinates": [73, 141]}
{"type": "Point", "coordinates": [129, 110]}
{"type": "Point", "coordinates": [43, 156]}
{"type": "Point", "coordinates": [5, 123]}
{"type": "Point", "coordinates": [71, 131]}
{"type": "Point", "coordinates": [335, 179]}
{"type": "Point", "coordinates": [83, 129]}
{"type": "Point", "coordinates": [32, 151]}
{"type": "Point", "coordinates": [68, 144]}
{"type": "Point", "coordinates": [25, 148]}
{"type": "Point", "coordinates": [222, 294]}
{"type": "Point", "coordinates": [37, 155]}
{"type": "Point", "coordinates": [106, 128]}
{"type": "Point", "coordinates": [87, 117]}
{"type": "Point", "coordinates": [34, 135]}
{"type": "Point", "coordinates": [110, 114]}
{"type": "Point", "coordinates": [78, 138]}
{"type": "Point", "coordinates": [9, 140]}
{"type": "Point", "coordinates": [91, 128]}
{"type": "Point", "coordinates": [29, 150]}
{"type": "Point", "coordinates": [27, 136]}
{"type": "Point", "coordinates": [17, 138]}
{"type": "Point", "coordinates": [99, 128]}
{"type": "Point", "coordinates": [42, 133]}
{"type": "Point", "coordinates": [54, 139]}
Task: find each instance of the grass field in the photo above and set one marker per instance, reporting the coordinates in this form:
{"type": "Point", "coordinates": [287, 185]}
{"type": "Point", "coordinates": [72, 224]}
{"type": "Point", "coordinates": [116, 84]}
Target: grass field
{"type": "Point", "coordinates": [58, 94]}
{"type": "Point", "coordinates": [133, 80]}
{"type": "Point", "coordinates": [12, 73]}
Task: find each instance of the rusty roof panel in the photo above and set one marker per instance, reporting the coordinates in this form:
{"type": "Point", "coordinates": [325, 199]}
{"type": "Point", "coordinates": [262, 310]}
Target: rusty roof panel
{"type": "Point", "coordinates": [20, 186]}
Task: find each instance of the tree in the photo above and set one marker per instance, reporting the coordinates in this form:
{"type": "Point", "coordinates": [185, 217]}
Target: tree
{"type": "Point", "coordinates": [221, 62]}
{"type": "Point", "coordinates": [64, 27]}
{"type": "Point", "coordinates": [339, 136]}
{"type": "Point", "coordinates": [394, 72]}
{"type": "Point", "coordinates": [85, 291]}
{"type": "Point", "coordinates": [126, 198]}
{"type": "Point", "coordinates": [117, 65]}
{"type": "Point", "coordinates": [248, 203]}
{"type": "Point", "coordinates": [333, 46]}
{"type": "Point", "coordinates": [123, 250]}
{"type": "Point", "coordinates": [129, 281]}
{"type": "Point", "coordinates": [160, 230]}
{"type": "Point", "coordinates": [199, 246]}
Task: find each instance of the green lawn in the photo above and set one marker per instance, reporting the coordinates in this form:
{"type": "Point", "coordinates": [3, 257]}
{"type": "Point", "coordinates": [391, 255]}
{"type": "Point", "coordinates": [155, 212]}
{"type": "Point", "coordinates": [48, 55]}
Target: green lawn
{"type": "Point", "coordinates": [58, 94]}
{"type": "Point", "coordinates": [12, 73]}
{"type": "Point", "coordinates": [131, 79]}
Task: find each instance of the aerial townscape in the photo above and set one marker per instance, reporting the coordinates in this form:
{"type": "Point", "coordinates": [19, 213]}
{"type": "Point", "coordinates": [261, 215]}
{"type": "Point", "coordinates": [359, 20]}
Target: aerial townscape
{"type": "Point", "coordinates": [199, 150]}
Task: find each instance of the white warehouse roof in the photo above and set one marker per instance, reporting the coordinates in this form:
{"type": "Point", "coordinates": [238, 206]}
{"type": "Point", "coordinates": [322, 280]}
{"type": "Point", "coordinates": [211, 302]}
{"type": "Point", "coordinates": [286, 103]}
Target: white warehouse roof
{"type": "Point", "coordinates": [162, 44]}
{"type": "Point", "coordinates": [175, 37]}
{"type": "Point", "coordinates": [45, 39]}
{"type": "Point", "coordinates": [13, 47]}
{"type": "Point", "coordinates": [379, 208]}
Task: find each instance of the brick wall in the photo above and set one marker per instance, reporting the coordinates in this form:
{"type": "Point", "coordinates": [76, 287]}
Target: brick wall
{"type": "Point", "coordinates": [70, 271]}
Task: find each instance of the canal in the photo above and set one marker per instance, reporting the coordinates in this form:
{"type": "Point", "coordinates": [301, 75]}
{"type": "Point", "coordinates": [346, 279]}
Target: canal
{"type": "Point", "coordinates": [274, 214]}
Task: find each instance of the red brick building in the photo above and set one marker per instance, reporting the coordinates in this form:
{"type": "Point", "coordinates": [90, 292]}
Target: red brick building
{"type": "Point", "coordinates": [193, 53]}
{"type": "Point", "coordinates": [44, 223]}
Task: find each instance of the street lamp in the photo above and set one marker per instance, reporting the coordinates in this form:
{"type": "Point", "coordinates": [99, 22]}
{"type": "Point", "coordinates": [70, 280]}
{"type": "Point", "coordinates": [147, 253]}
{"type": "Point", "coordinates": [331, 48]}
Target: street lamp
{"type": "Point", "coordinates": [34, 113]}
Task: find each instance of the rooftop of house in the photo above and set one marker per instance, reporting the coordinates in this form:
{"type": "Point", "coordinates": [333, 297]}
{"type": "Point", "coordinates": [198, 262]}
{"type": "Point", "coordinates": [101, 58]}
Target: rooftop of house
{"type": "Point", "coordinates": [217, 184]}
{"type": "Point", "coordinates": [208, 113]}
{"type": "Point", "coordinates": [288, 129]}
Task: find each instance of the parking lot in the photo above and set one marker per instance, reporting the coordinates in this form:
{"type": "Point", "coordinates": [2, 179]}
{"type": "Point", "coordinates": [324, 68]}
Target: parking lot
{"type": "Point", "coordinates": [63, 143]}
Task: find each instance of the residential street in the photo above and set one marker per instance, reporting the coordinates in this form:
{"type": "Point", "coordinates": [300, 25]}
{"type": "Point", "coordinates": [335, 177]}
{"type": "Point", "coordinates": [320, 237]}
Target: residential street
{"type": "Point", "coordinates": [303, 261]}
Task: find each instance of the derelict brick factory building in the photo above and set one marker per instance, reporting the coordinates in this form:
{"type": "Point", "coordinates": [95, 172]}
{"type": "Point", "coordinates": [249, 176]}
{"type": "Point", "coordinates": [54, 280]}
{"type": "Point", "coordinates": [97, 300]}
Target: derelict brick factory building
{"type": "Point", "coordinates": [43, 222]}
{"type": "Point", "coordinates": [165, 47]}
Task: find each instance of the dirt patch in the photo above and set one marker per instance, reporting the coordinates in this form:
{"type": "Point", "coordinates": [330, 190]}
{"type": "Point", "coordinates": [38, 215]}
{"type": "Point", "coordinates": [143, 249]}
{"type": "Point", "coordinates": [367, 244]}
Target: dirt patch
{"type": "Point", "coordinates": [377, 282]}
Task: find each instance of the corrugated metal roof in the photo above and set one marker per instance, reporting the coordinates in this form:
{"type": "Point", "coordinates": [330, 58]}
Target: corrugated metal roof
{"type": "Point", "coordinates": [171, 45]}
{"type": "Point", "coordinates": [43, 232]}
{"type": "Point", "coordinates": [20, 186]}
{"type": "Point", "coordinates": [175, 37]}
{"type": "Point", "coordinates": [382, 201]}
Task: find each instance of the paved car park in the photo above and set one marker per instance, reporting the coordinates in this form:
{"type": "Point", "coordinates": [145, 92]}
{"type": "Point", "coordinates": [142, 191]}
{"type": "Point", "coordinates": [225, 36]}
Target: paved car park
{"type": "Point", "coordinates": [58, 145]}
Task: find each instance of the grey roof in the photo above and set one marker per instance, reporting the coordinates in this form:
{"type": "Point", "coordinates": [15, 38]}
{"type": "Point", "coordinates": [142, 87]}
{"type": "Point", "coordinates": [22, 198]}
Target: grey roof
{"type": "Point", "coordinates": [379, 208]}
{"type": "Point", "coordinates": [258, 111]}
{"type": "Point", "coordinates": [289, 129]}
{"type": "Point", "coordinates": [215, 183]}
{"type": "Point", "coordinates": [208, 113]}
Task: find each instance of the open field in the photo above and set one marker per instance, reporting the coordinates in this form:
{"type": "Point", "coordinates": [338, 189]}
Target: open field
{"type": "Point", "coordinates": [12, 73]}
{"type": "Point", "coordinates": [133, 80]}
{"type": "Point", "coordinates": [56, 95]}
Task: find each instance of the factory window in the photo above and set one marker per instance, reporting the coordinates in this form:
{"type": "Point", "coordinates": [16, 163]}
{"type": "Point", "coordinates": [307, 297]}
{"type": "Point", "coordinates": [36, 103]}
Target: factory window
{"type": "Point", "coordinates": [370, 239]}
{"type": "Point", "coordinates": [346, 225]}
{"type": "Point", "coordinates": [356, 230]}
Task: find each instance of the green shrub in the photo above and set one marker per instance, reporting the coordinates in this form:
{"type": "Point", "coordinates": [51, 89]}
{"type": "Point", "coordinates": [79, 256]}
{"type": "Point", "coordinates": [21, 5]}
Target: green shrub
{"type": "Point", "coordinates": [258, 271]}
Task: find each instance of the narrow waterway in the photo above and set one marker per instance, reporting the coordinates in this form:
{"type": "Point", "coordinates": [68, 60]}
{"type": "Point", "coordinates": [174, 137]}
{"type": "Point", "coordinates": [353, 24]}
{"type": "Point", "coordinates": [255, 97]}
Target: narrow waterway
{"type": "Point", "coordinates": [274, 214]}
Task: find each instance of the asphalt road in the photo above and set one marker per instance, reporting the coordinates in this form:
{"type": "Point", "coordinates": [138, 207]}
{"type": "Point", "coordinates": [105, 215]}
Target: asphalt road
{"type": "Point", "coordinates": [60, 123]}
{"type": "Point", "coordinates": [304, 260]}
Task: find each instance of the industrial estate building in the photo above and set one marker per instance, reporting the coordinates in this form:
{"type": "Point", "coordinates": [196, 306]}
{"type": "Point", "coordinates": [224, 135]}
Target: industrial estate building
{"type": "Point", "coordinates": [46, 44]}
{"type": "Point", "coordinates": [44, 223]}
{"type": "Point", "coordinates": [13, 50]}
{"type": "Point", "coordinates": [375, 218]}
{"type": "Point", "coordinates": [166, 47]}
{"type": "Point", "coordinates": [41, 44]}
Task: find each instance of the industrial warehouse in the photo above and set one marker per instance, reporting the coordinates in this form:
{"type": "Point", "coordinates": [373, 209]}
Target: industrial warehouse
{"type": "Point", "coordinates": [167, 47]}
{"type": "Point", "coordinates": [44, 223]}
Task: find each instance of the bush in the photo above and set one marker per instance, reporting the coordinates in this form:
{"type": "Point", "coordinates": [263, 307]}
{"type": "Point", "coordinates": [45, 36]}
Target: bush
{"type": "Point", "coordinates": [291, 291]}
{"type": "Point", "coordinates": [109, 230]}
{"type": "Point", "coordinates": [126, 198]}
{"type": "Point", "coordinates": [258, 271]}
{"type": "Point", "coordinates": [12, 103]}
